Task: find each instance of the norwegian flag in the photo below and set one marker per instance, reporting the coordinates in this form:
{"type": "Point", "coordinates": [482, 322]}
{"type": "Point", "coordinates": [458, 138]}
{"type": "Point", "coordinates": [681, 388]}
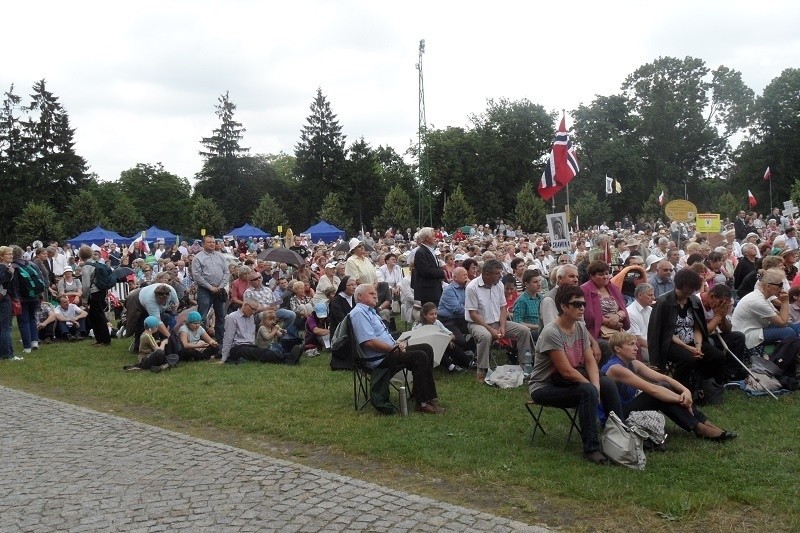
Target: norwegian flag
{"type": "Point", "coordinates": [562, 165]}
{"type": "Point", "coordinates": [661, 198]}
{"type": "Point", "coordinates": [767, 175]}
{"type": "Point", "coordinates": [751, 199]}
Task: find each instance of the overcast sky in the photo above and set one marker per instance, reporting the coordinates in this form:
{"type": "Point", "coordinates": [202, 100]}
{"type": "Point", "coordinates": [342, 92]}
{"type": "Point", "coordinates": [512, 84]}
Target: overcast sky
{"type": "Point", "coordinates": [140, 80]}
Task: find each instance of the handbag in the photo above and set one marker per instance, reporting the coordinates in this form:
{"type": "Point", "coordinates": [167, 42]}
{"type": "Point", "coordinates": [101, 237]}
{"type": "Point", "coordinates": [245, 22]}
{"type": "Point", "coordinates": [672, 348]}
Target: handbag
{"type": "Point", "coordinates": [622, 444]}
{"type": "Point", "coordinates": [16, 307]}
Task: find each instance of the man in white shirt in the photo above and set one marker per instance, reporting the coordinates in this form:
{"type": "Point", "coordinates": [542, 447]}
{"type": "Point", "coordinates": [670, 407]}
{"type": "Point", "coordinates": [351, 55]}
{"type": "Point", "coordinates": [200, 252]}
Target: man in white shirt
{"type": "Point", "coordinates": [486, 315]}
{"type": "Point", "coordinates": [639, 313]}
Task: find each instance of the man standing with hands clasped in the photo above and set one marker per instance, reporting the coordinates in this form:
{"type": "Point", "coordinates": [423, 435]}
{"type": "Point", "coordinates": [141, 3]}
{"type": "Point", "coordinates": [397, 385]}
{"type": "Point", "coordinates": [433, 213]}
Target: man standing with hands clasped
{"type": "Point", "coordinates": [485, 312]}
{"type": "Point", "coordinates": [210, 272]}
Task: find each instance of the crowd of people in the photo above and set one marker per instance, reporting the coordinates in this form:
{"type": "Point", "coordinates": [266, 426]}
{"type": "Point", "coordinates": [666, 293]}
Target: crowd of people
{"type": "Point", "coordinates": [630, 317]}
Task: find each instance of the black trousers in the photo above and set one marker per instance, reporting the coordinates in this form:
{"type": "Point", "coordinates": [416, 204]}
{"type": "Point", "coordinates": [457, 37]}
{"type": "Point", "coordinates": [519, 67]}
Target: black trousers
{"type": "Point", "coordinates": [97, 317]}
{"type": "Point", "coordinates": [419, 360]}
{"type": "Point", "coordinates": [193, 354]}
{"type": "Point", "coordinates": [690, 370]}
{"type": "Point", "coordinates": [680, 415]}
{"type": "Point", "coordinates": [251, 352]}
{"type": "Point", "coordinates": [155, 358]}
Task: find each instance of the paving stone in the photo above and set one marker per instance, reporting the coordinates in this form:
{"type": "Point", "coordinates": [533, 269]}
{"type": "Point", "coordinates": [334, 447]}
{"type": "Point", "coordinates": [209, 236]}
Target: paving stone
{"type": "Point", "coordinates": [66, 468]}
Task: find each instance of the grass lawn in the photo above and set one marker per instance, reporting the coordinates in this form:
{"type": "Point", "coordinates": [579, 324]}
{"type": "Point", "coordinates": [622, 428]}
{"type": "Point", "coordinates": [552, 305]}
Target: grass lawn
{"type": "Point", "coordinates": [478, 454]}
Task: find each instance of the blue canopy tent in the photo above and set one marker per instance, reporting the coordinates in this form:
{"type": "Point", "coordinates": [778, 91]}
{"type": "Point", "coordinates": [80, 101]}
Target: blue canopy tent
{"type": "Point", "coordinates": [154, 233]}
{"type": "Point", "coordinates": [324, 232]}
{"type": "Point", "coordinates": [98, 236]}
{"type": "Point", "coordinates": [248, 232]}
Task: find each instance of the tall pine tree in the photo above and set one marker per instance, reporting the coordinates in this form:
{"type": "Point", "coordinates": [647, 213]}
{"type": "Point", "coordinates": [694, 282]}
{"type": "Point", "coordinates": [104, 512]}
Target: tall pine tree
{"type": "Point", "coordinates": [320, 154]}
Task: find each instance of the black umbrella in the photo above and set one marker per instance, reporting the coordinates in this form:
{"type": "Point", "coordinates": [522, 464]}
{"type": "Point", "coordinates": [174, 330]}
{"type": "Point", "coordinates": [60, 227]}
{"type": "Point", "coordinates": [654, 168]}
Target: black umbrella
{"type": "Point", "coordinates": [120, 273]}
{"type": "Point", "coordinates": [281, 255]}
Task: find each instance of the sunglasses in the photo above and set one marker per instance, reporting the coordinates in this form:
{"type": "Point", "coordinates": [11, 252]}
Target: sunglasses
{"type": "Point", "coordinates": [255, 279]}
{"type": "Point", "coordinates": [577, 304]}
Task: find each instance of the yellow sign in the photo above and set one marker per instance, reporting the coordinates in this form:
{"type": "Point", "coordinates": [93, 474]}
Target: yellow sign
{"type": "Point", "coordinates": [681, 211]}
{"type": "Point", "coordinates": [280, 229]}
{"type": "Point", "coordinates": [708, 223]}
{"type": "Point", "coordinates": [203, 232]}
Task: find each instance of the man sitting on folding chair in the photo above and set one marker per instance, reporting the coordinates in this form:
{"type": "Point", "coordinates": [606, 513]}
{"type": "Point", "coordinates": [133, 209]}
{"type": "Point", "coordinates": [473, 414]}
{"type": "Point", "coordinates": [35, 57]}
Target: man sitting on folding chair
{"type": "Point", "coordinates": [382, 351]}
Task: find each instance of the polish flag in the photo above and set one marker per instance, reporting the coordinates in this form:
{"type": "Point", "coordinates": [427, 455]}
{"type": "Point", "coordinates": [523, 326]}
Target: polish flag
{"type": "Point", "coordinates": [751, 199]}
{"type": "Point", "coordinates": [661, 198]}
{"type": "Point", "coordinates": [767, 175]}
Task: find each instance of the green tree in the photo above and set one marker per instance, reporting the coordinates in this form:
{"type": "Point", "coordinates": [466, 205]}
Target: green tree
{"type": "Point", "coordinates": [453, 161]}
{"type": "Point", "coordinates": [651, 209]}
{"type": "Point", "coordinates": [589, 210]}
{"type": "Point", "coordinates": [124, 218]}
{"type": "Point", "coordinates": [774, 142]}
{"type": "Point", "coordinates": [684, 119]}
{"type": "Point", "coordinates": [457, 211]}
{"type": "Point", "coordinates": [13, 160]}
{"type": "Point", "coordinates": [510, 138]}
{"type": "Point", "coordinates": [38, 221]}
{"type": "Point", "coordinates": [161, 197]}
{"type": "Point", "coordinates": [334, 213]}
{"type": "Point", "coordinates": [397, 211]}
{"type": "Point", "coordinates": [224, 141]}
{"type": "Point", "coordinates": [268, 215]}
{"type": "Point", "coordinates": [361, 183]}
{"type": "Point", "coordinates": [55, 170]}
{"type": "Point", "coordinates": [320, 153]}
{"type": "Point", "coordinates": [530, 209]}
{"type": "Point", "coordinates": [727, 206]}
{"type": "Point", "coordinates": [205, 215]}
{"type": "Point", "coordinates": [83, 213]}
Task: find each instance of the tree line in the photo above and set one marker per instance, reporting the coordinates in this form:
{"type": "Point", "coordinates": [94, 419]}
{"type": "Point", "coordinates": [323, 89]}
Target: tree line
{"type": "Point", "coordinates": [673, 126]}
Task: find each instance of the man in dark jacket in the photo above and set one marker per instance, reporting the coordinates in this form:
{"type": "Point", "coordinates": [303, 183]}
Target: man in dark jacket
{"type": "Point", "coordinates": [428, 275]}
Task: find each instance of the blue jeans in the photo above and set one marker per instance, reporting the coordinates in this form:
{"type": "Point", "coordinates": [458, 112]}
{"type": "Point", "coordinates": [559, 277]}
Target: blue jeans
{"type": "Point", "coordinates": [6, 347]}
{"type": "Point", "coordinates": [27, 323]}
{"type": "Point", "coordinates": [205, 300]}
{"type": "Point", "coordinates": [773, 333]}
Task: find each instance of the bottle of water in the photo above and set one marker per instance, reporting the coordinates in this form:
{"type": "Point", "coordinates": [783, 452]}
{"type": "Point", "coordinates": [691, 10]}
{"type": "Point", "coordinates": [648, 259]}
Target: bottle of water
{"type": "Point", "coordinates": [527, 364]}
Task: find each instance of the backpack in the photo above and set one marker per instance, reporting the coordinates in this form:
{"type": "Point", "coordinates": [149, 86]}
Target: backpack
{"type": "Point", "coordinates": [31, 284]}
{"type": "Point", "coordinates": [103, 277]}
{"type": "Point", "coordinates": [341, 336]}
{"type": "Point", "coordinates": [785, 356]}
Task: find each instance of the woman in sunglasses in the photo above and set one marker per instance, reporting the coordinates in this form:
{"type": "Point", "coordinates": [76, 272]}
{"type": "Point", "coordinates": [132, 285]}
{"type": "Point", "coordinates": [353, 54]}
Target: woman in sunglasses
{"type": "Point", "coordinates": [565, 372]}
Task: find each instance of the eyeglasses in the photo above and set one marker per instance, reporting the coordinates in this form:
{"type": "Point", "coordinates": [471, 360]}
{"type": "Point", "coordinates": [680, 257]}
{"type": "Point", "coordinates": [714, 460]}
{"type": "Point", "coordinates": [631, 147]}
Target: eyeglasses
{"type": "Point", "coordinates": [776, 284]}
{"type": "Point", "coordinates": [255, 279]}
{"type": "Point", "coordinates": [577, 304]}
{"type": "Point", "coordinates": [146, 270]}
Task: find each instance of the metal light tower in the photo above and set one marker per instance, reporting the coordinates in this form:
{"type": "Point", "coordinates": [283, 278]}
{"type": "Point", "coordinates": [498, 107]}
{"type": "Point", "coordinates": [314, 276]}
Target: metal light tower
{"type": "Point", "coordinates": [425, 212]}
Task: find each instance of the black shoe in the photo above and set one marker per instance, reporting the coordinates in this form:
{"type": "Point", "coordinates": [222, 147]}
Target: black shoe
{"type": "Point", "coordinates": [597, 457]}
{"type": "Point", "coordinates": [725, 436]}
{"type": "Point", "coordinates": [71, 338]}
{"type": "Point", "coordinates": [295, 355]}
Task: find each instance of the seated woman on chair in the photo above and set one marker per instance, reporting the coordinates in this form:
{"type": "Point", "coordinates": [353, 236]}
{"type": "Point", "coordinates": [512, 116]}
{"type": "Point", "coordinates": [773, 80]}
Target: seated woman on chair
{"type": "Point", "coordinates": [565, 372]}
{"type": "Point", "coordinates": [643, 389]}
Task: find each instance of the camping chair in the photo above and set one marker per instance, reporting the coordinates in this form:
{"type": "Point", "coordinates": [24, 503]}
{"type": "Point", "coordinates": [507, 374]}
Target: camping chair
{"type": "Point", "coordinates": [572, 415]}
{"type": "Point", "coordinates": [373, 384]}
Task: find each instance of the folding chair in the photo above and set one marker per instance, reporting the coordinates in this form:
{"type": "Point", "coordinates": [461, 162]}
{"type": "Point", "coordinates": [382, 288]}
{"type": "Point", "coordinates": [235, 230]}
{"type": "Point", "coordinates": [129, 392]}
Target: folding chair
{"type": "Point", "coordinates": [367, 381]}
{"type": "Point", "coordinates": [572, 415]}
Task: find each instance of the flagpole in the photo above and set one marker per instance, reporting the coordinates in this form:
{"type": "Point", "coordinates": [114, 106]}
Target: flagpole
{"type": "Point", "coordinates": [770, 195]}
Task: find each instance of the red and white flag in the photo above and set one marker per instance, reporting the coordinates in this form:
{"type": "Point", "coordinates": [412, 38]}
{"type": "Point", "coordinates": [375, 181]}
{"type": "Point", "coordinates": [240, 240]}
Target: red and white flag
{"type": "Point", "coordinates": [751, 199]}
{"type": "Point", "coordinates": [562, 164]}
{"type": "Point", "coordinates": [661, 198]}
{"type": "Point", "coordinates": [767, 175]}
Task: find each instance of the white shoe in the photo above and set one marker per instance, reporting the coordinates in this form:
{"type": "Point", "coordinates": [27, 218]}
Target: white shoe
{"type": "Point", "coordinates": [15, 358]}
{"type": "Point", "coordinates": [26, 350]}
{"type": "Point", "coordinates": [35, 345]}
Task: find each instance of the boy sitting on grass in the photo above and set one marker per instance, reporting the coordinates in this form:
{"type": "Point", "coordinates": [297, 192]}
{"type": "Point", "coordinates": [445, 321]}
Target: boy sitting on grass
{"type": "Point", "coordinates": [151, 352]}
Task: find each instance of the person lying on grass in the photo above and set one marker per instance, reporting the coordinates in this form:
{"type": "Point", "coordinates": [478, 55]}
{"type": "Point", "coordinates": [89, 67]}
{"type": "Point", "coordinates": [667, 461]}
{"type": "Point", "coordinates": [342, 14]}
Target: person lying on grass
{"type": "Point", "coordinates": [643, 389]}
